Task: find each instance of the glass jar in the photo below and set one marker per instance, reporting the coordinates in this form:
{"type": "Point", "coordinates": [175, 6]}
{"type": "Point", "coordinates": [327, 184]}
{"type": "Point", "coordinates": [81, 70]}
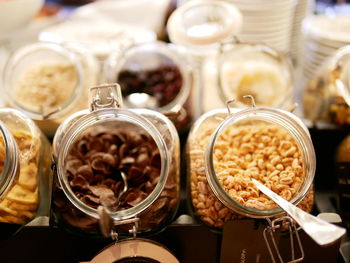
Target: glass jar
{"type": "Point", "coordinates": [327, 94]}
{"type": "Point", "coordinates": [135, 250]}
{"type": "Point", "coordinates": [203, 24]}
{"type": "Point", "coordinates": [257, 70]}
{"type": "Point", "coordinates": [26, 177]}
{"type": "Point", "coordinates": [225, 150]}
{"type": "Point", "coordinates": [199, 27]}
{"type": "Point", "coordinates": [115, 165]}
{"type": "Point", "coordinates": [48, 82]}
{"type": "Point", "coordinates": [154, 75]}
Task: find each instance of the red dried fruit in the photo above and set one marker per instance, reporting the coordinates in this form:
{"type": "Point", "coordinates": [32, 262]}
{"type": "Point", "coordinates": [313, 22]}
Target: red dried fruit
{"type": "Point", "coordinates": [163, 83]}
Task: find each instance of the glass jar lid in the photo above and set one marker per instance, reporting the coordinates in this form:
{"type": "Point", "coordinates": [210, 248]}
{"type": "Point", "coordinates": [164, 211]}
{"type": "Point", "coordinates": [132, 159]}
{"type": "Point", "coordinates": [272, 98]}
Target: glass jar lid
{"type": "Point", "coordinates": [270, 145]}
{"type": "Point", "coordinates": [152, 75]}
{"type": "Point", "coordinates": [43, 80]}
{"type": "Point", "coordinates": [135, 251]}
{"type": "Point", "coordinates": [204, 23]}
{"type": "Point", "coordinates": [257, 70]}
{"type": "Point", "coordinates": [107, 150]}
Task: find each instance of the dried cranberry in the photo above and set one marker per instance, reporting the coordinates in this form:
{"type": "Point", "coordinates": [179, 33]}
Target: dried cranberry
{"type": "Point", "coordinates": [163, 83]}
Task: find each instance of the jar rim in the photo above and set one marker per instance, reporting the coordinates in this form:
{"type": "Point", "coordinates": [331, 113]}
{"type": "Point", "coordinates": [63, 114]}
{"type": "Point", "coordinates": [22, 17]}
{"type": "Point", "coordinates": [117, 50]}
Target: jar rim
{"type": "Point", "coordinates": [281, 118]}
{"type": "Point", "coordinates": [116, 61]}
{"type": "Point", "coordinates": [95, 118]}
{"type": "Point", "coordinates": [178, 33]}
{"type": "Point", "coordinates": [15, 59]}
{"type": "Point", "coordinates": [153, 251]}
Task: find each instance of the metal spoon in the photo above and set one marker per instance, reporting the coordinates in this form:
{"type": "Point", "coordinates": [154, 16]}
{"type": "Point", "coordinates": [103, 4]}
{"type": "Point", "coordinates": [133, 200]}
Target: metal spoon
{"type": "Point", "coordinates": [141, 100]}
{"type": "Point", "coordinates": [322, 232]}
{"type": "Point", "coordinates": [105, 221]}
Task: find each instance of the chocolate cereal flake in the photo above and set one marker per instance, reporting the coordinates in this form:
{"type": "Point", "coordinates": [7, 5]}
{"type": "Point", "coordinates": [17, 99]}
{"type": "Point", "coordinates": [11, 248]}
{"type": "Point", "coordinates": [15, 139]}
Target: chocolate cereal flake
{"type": "Point", "coordinates": [96, 160]}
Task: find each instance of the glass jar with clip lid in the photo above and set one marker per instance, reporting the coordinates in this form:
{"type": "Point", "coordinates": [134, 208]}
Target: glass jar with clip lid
{"type": "Point", "coordinates": [227, 148]}
{"type": "Point", "coordinates": [255, 69]}
{"type": "Point", "coordinates": [48, 81]}
{"type": "Point", "coordinates": [327, 94]}
{"type": "Point", "coordinates": [26, 177]}
{"type": "Point", "coordinates": [115, 167]}
{"type": "Point", "coordinates": [199, 27]}
{"type": "Point", "coordinates": [155, 75]}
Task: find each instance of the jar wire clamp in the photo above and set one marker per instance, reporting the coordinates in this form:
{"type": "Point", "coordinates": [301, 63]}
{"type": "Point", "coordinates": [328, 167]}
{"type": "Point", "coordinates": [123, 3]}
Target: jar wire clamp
{"type": "Point", "coordinates": [108, 224]}
{"type": "Point", "coordinates": [105, 95]}
{"type": "Point", "coordinates": [271, 244]}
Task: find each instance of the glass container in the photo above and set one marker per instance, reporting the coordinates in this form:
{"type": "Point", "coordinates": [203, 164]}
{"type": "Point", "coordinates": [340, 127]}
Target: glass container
{"type": "Point", "coordinates": [154, 75]}
{"type": "Point", "coordinates": [135, 250]}
{"type": "Point", "coordinates": [225, 150]}
{"type": "Point", "coordinates": [257, 70]}
{"type": "Point", "coordinates": [326, 96]}
{"type": "Point", "coordinates": [116, 168]}
{"type": "Point", "coordinates": [48, 82]}
{"type": "Point", "coordinates": [26, 177]}
{"type": "Point", "coordinates": [204, 24]}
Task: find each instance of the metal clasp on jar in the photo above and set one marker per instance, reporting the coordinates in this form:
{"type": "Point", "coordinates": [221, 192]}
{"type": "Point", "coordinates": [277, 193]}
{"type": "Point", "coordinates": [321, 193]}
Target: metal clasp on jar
{"type": "Point", "coordinates": [105, 96]}
{"type": "Point", "coordinates": [271, 244]}
{"type": "Point", "coordinates": [108, 224]}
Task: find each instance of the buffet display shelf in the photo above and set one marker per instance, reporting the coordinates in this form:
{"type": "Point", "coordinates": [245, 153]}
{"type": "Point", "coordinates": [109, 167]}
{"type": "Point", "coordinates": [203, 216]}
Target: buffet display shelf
{"type": "Point", "coordinates": [189, 241]}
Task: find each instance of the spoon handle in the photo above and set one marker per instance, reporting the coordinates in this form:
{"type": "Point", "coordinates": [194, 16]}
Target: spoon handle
{"type": "Point", "coordinates": [322, 232]}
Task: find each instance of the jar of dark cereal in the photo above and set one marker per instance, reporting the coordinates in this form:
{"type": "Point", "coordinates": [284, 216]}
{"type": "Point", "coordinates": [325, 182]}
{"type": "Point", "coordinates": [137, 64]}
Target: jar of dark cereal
{"type": "Point", "coordinates": [226, 150]}
{"type": "Point", "coordinates": [26, 178]}
{"type": "Point", "coordinates": [154, 75]}
{"type": "Point", "coordinates": [117, 169]}
{"type": "Point", "coordinates": [48, 82]}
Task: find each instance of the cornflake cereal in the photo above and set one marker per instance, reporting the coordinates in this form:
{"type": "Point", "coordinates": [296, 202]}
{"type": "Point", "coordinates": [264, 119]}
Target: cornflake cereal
{"type": "Point", "coordinates": [263, 152]}
{"type": "Point", "coordinates": [20, 203]}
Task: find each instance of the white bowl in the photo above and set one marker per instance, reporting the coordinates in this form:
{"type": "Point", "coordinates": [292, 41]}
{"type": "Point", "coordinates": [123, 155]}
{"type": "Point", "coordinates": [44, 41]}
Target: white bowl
{"type": "Point", "coordinates": [15, 14]}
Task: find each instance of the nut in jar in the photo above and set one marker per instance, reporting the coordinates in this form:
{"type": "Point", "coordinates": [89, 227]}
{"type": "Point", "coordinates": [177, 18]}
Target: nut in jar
{"type": "Point", "coordinates": [227, 152]}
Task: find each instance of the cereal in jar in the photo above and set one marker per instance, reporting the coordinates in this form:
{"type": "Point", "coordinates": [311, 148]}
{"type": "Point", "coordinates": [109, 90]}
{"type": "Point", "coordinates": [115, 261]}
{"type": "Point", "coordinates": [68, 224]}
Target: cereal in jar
{"type": "Point", "coordinates": [226, 151]}
{"type": "Point", "coordinates": [48, 82]}
{"type": "Point", "coordinates": [326, 96]}
{"type": "Point", "coordinates": [123, 161]}
{"type": "Point", "coordinates": [157, 76]}
{"type": "Point", "coordinates": [25, 180]}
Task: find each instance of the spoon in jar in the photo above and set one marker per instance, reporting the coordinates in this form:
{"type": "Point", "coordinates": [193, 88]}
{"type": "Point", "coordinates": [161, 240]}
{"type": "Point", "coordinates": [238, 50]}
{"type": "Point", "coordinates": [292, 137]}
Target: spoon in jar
{"type": "Point", "coordinates": [141, 100]}
{"type": "Point", "coordinates": [322, 232]}
{"type": "Point", "coordinates": [105, 220]}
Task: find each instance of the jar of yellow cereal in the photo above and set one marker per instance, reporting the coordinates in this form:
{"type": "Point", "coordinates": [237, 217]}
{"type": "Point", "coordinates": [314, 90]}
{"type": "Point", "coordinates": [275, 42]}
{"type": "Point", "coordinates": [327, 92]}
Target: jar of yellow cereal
{"type": "Point", "coordinates": [49, 82]}
{"type": "Point", "coordinates": [226, 149]}
{"type": "Point", "coordinates": [25, 179]}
